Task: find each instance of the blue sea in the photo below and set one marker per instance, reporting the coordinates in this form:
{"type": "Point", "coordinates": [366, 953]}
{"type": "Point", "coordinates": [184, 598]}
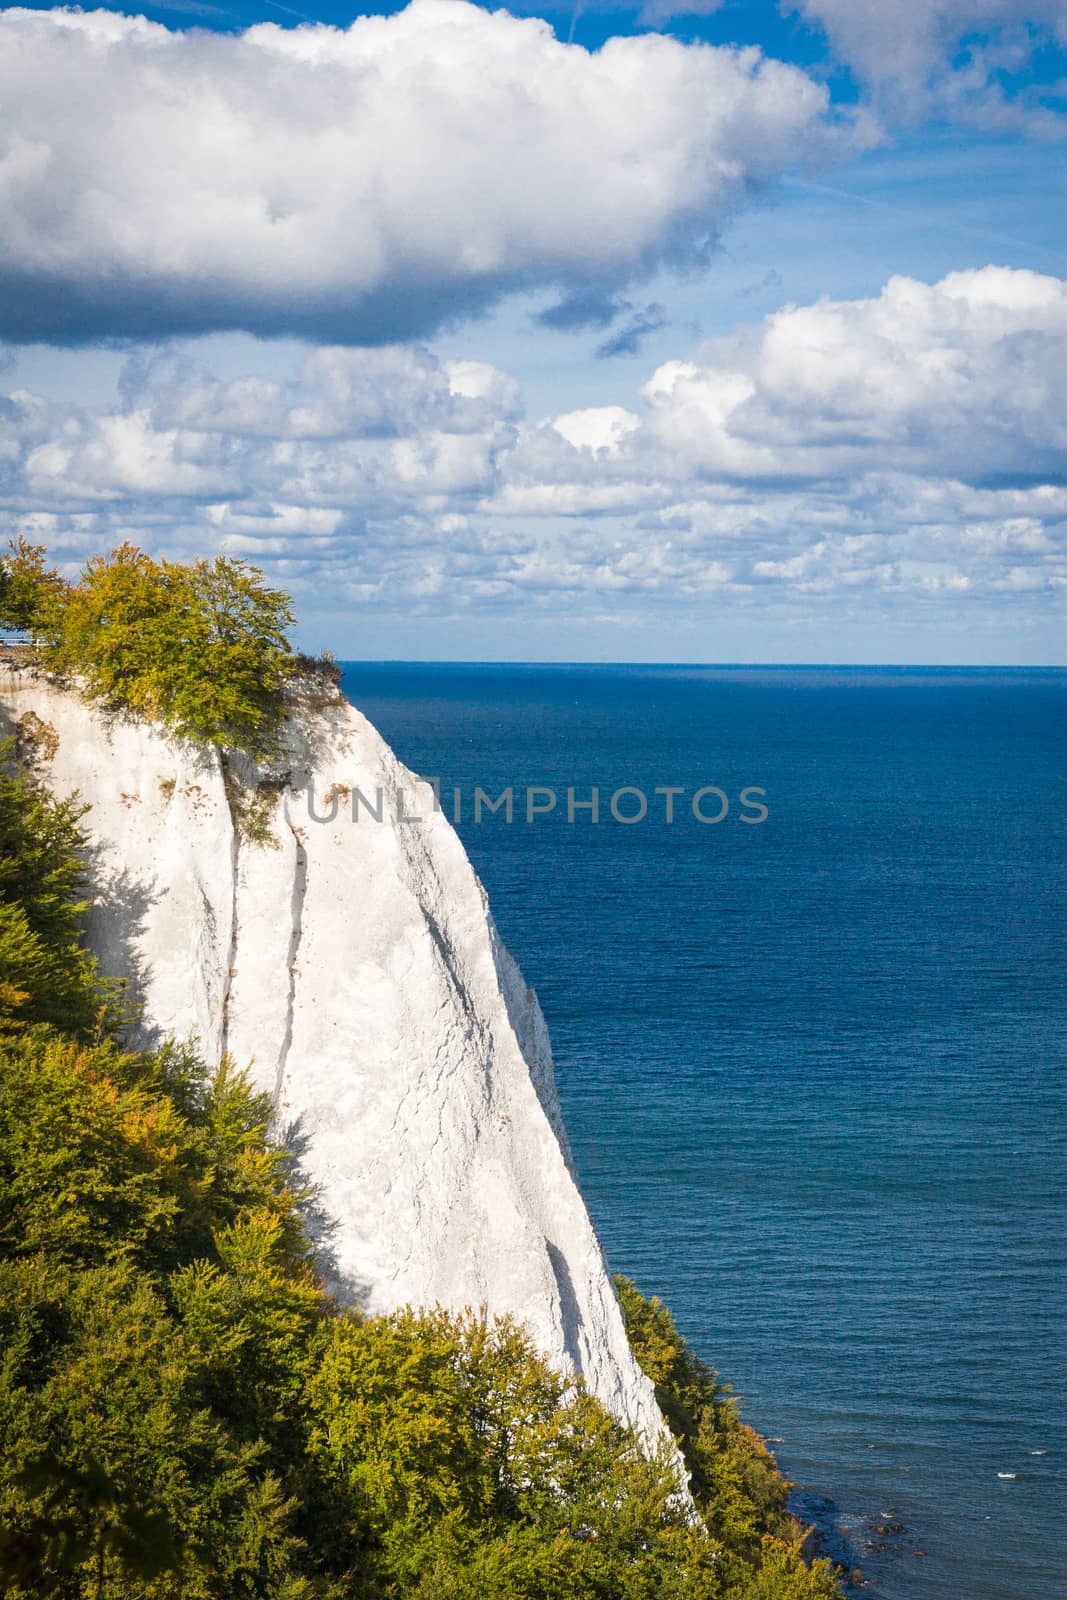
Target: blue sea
{"type": "Point", "coordinates": [812, 1067]}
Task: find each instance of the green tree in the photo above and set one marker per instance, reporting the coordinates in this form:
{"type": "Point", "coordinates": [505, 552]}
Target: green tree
{"type": "Point", "coordinates": [46, 975]}
{"type": "Point", "coordinates": [114, 1481]}
{"type": "Point", "coordinates": [101, 1159]}
{"type": "Point", "coordinates": [470, 1467]}
{"type": "Point", "coordinates": [251, 1311]}
{"type": "Point", "coordinates": [91, 1171]}
{"type": "Point", "coordinates": [201, 648]}
{"type": "Point", "coordinates": [783, 1574]}
{"type": "Point", "coordinates": [733, 1476]}
{"type": "Point", "coordinates": [31, 592]}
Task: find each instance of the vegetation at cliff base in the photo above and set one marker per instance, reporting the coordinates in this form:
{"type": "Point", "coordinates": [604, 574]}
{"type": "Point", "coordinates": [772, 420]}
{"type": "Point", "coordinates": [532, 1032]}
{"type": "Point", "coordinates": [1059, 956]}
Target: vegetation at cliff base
{"type": "Point", "coordinates": [201, 648]}
{"type": "Point", "coordinates": [186, 1414]}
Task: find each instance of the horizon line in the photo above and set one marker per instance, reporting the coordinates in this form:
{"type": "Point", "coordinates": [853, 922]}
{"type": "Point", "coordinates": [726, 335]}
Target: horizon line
{"type": "Point", "coordinates": [719, 666]}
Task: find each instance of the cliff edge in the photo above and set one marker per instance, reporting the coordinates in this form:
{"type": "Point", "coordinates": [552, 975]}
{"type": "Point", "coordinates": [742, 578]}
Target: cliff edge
{"type": "Point", "coordinates": [354, 966]}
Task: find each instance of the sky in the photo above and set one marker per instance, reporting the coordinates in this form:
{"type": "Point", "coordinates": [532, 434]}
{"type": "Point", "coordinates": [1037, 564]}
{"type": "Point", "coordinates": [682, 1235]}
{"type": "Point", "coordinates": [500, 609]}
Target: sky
{"type": "Point", "coordinates": [735, 333]}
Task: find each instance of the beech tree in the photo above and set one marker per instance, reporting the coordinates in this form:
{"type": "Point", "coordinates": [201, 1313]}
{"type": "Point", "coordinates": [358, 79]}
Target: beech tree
{"type": "Point", "coordinates": [475, 1469]}
{"type": "Point", "coordinates": [45, 973]}
{"type": "Point", "coordinates": [201, 648]}
{"type": "Point", "coordinates": [30, 591]}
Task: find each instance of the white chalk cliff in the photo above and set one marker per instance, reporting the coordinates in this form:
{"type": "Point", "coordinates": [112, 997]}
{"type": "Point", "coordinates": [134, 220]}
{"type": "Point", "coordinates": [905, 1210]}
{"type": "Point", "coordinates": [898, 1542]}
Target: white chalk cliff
{"type": "Point", "coordinates": [354, 965]}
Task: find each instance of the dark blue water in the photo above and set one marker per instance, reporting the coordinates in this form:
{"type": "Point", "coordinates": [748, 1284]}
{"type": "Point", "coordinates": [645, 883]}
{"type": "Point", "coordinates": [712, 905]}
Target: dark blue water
{"type": "Point", "coordinates": [812, 1068]}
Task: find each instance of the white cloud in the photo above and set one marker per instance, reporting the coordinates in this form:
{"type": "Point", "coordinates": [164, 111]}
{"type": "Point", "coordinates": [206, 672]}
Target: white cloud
{"type": "Point", "coordinates": [362, 185]}
{"type": "Point", "coordinates": [904, 450]}
{"type": "Point", "coordinates": [963, 378]}
{"type": "Point", "coordinates": [922, 56]}
{"type": "Point", "coordinates": [601, 429]}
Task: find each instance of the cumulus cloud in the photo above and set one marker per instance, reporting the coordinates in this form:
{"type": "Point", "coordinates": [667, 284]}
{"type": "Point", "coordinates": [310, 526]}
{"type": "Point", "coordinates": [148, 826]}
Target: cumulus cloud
{"type": "Point", "coordinates": [907, 448]}
{"type": "Point", "coordinates": [356, 433]}
{"type": "Point", "coordinates": [963, 378]}
{"type": "Point", "coordinates": [955, 56]}
{"type": "Point", "coordinates": [599, 429]}
{"type": "Point", "coordinates": [362, 185]}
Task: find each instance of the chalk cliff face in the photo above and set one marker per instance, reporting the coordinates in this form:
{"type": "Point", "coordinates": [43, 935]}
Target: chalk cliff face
{"type": "Point", "coordinates": [355, 966]}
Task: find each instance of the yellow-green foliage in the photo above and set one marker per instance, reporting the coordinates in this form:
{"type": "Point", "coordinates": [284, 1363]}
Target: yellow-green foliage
{"type": "Point", "coordinates": [30, 590]}
{"type": "Point", "coordinates": [201, 648]}
{"type": "Point", "coordinates": [117, 1480]}
{"type": "Point", "coordinates": [157, 1318]}
{"type": "Point", "coordinates": [475, 1469]}
{"type": "Point", "coordinates": [99, 1162]}
{"type": "Point", "coordinates": [252, 807]}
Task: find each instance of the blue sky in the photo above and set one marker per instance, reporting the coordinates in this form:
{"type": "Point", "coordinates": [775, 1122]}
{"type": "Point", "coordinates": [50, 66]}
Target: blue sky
{"type": "Point", "coordinates": [617, 335]}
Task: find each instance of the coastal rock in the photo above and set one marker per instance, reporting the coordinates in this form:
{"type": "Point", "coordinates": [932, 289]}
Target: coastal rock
{"type": "Point", "coordinates": [355, 968]}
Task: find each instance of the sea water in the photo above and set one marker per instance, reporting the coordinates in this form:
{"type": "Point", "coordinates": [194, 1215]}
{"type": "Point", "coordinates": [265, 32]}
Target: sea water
{"type": "Point", "coordinates": [812, 1067]}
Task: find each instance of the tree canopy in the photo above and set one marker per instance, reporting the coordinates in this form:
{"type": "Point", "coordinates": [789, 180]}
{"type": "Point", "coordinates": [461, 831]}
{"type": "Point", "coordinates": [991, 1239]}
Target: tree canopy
{"type": "Point", "coordinates": [201, 648]}
{"type": "Point", "coordinates": [30, 590]}
{"type": "Point", "coordinates": [45, 973]}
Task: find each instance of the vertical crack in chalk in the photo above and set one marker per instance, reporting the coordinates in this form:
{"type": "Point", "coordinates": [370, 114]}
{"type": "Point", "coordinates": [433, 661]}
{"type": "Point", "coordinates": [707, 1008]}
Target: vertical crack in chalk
{"type": "Point", "coordinates": [296, 929]}
{"type": "Point", "coordinates": [235, 863]}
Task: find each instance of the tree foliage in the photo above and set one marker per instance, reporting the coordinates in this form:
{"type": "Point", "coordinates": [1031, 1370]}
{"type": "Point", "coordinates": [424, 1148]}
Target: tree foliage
{"type": "Point", "coordinates": [461, 1454]}
{"type": "Point", "coordinates": [100, 1162]}
{"type": "Point", "coordinates": [201, 648]}
{"type": "Point", "coordinates": [31, 592]}
{"type": "Point", "coordinates": [116, 1481]}
{"type": "Point", "coordinates": [45, 974]}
